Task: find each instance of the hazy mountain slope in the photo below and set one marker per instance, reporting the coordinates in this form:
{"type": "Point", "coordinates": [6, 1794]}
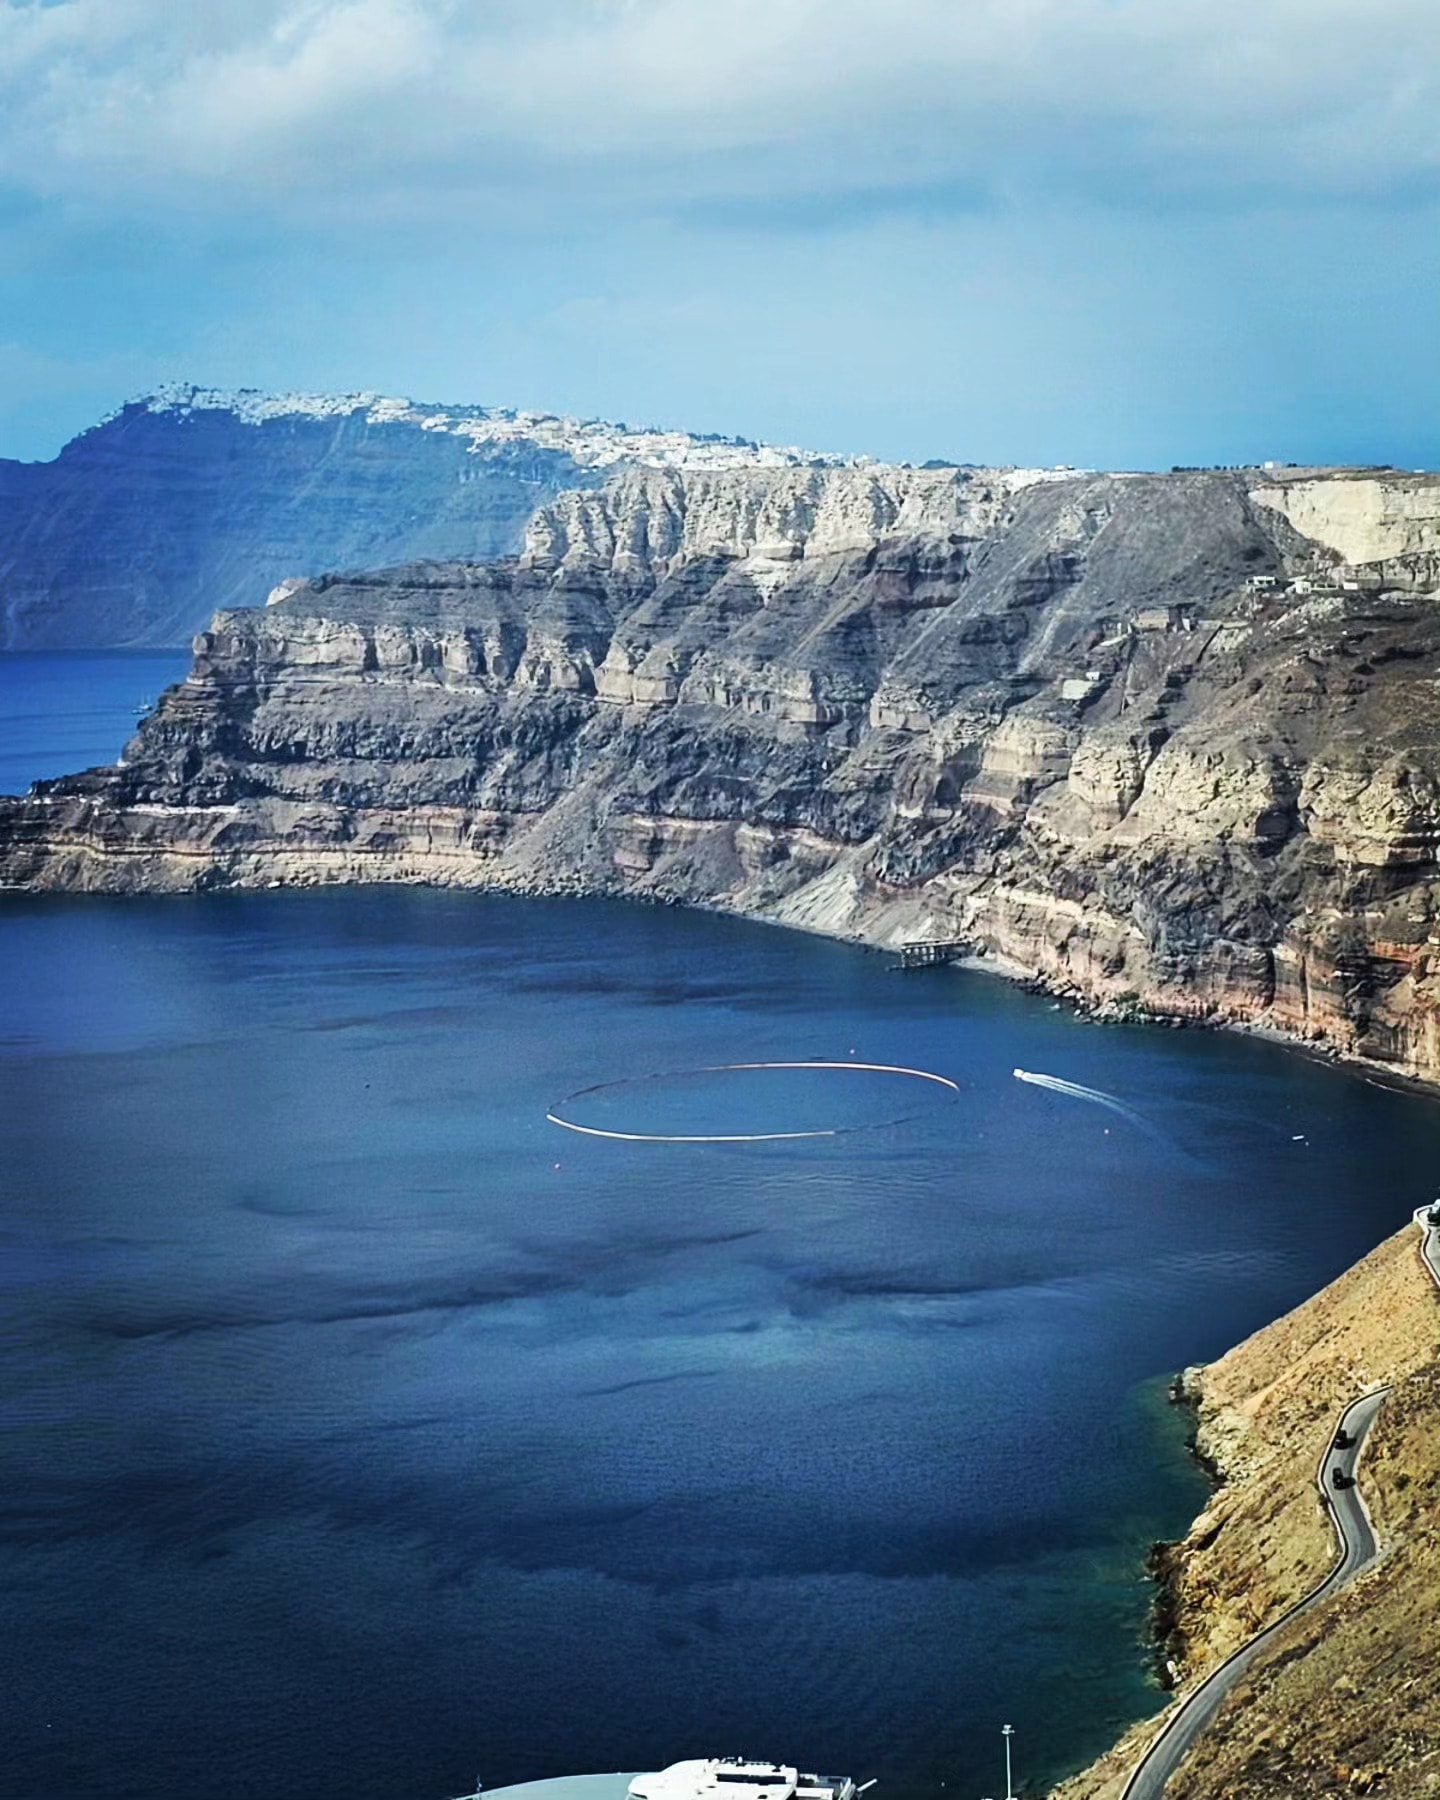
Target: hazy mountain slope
{"type": "Point", "coordinates": [192, 500]}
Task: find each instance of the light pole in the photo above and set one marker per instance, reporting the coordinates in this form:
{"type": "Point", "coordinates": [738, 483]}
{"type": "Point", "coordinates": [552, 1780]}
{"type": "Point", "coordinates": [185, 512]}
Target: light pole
{"type": "Point", "coordinates": [1007, 1732]}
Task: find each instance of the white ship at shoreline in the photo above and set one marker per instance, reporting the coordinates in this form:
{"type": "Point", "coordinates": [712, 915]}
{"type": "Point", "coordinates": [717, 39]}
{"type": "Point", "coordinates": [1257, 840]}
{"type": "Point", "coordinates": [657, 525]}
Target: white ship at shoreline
{"type": "Point", "coordinates": [701, 1778]}
{"type": "Point", "coordinates": [738, 1778]}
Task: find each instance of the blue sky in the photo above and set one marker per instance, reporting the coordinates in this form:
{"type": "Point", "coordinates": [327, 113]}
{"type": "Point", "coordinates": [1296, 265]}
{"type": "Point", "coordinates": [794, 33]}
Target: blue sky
{"type": "Point", "coordinates": [1104, 232]}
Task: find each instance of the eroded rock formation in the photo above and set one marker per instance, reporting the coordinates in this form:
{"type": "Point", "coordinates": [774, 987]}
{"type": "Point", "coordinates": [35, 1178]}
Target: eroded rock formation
{"type": "Point", "coordinates": [1152, 738]}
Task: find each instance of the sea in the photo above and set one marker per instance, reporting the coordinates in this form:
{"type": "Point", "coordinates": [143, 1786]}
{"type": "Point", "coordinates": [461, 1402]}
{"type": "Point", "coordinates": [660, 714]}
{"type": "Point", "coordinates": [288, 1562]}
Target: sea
{"type": "Point", "coordinates": [68, 712]}
{"type": "Point", "coordinates": [365, 1429]}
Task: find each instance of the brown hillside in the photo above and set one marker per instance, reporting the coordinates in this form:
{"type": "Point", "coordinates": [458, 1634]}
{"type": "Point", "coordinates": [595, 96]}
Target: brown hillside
{"type": "Point", "coordinates": [1348, 1699]}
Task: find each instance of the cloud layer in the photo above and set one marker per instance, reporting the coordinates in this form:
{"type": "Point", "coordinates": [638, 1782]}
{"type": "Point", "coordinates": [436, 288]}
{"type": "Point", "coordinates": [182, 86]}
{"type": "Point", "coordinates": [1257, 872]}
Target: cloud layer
{"type": "Point", "coordinates": [1031, 230]}
{"type": "Point", "coordinates": [691, 102]}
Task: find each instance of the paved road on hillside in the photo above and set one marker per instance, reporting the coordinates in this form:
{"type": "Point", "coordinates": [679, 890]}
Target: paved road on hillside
{"type": "Point", "coordinates": [1429, 1243]}
{"type": "Point", "coordinates": [1358, 1547]}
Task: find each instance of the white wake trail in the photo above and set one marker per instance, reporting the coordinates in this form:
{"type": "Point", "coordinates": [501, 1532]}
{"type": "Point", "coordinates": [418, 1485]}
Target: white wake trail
{"type": "Point", "coordinates": [1077, 1091]}
{"type": "Point", "coordinates": [741, 1137]}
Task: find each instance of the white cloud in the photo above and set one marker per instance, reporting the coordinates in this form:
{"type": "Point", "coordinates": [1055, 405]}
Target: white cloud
{"type": "Point", "coordinates": [525, 103]}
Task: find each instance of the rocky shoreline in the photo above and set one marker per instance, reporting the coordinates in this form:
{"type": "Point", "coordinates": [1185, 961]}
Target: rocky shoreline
{"type": "Point", "coordinates": [1165, 1559]}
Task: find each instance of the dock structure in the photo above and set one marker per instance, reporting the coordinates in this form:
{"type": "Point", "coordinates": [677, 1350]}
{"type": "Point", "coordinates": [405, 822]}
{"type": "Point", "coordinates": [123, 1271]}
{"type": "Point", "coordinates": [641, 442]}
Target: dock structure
{"type": "Point", "coordinates": [932, 952]}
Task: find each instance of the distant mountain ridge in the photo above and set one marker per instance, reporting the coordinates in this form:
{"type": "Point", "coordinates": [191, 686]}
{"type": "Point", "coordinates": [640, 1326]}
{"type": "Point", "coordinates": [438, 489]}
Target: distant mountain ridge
{"type": "Point", "coordinates": [592, 443]}
{"type": "Point", "coordinates": [192, 499]}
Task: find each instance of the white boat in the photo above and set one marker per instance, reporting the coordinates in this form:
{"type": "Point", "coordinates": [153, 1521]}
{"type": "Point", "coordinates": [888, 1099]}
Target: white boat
{"type": "Point", "coordinates": [737, 1778]}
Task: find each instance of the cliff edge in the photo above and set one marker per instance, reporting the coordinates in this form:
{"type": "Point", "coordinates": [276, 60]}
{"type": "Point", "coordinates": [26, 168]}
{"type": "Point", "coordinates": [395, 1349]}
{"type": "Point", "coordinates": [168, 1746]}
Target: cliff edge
{"type": "Point", "coordinates": [1152, 738]}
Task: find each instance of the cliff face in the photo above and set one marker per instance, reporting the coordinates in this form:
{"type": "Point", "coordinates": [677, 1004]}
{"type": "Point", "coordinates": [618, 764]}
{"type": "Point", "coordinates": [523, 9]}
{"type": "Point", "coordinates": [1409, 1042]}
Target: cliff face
{"type": "Point", "coordinates": [647, 523]}
{"type": "Point", "coordinates": [1371, 519]}
{"type": "Point", "coordinates": [1347, 1699]}
{"type": "Point", "coordinates": [1139, 734]}
{"type": "Point", "coordinates": [191, 500]}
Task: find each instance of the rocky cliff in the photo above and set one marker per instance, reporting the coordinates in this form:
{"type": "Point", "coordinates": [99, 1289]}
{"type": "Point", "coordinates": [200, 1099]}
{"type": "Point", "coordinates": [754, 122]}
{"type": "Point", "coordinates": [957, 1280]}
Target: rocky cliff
{"type": "Point", "coordinates": [193, 499]}
{"type": "Point", "coordinates": [1152, 738]}
{"type": "Point", "coordinates": [1347, 1699]}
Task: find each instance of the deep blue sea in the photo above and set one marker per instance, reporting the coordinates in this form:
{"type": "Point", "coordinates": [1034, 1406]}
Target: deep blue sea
{"type": "Point", "coordinates": [60, 713]}
{"type": "Point", "coordinates": [363, 1429]}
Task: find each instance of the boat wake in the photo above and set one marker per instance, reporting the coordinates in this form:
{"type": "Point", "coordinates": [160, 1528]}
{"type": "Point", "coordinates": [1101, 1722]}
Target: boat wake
{"type": "Point", "coordinates": [555, 1116]}
{"type": "Point", "coordinates": [1076, 1090]}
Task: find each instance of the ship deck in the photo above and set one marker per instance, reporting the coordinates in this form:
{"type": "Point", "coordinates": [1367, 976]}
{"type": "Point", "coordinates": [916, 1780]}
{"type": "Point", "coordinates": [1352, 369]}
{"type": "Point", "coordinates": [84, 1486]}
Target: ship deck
{"type": "Point", "coordinates": [568, 1787]}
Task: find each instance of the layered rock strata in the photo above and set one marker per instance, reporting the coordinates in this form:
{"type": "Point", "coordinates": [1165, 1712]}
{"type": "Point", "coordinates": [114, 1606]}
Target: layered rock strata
{"type": "Point", "coordinates": [1151, 738]}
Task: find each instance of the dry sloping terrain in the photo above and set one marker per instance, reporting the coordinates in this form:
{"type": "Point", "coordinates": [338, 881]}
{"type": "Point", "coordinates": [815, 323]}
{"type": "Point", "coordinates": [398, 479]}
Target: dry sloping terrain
{"type": "Point", "coordinates": [1348, 1699]}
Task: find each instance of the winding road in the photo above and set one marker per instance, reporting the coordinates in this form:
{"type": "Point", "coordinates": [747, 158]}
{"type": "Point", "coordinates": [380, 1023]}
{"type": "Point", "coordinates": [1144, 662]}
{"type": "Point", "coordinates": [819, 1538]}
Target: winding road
{"type": "Point", "coordinates": [1429, 1242]}
{"type": "Point", "coordinates": [1358, 1548]}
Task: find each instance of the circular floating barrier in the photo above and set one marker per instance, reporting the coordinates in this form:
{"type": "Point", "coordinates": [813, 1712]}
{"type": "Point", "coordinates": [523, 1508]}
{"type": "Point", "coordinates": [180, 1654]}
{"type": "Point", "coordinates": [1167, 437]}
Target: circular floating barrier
{"type": "Point", "coordinates": [556, 1116]}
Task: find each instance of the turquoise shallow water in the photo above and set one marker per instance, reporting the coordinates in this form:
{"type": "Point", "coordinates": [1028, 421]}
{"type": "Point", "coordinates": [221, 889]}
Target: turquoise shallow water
{"type": "Point", "coordinates": [362, 1430]}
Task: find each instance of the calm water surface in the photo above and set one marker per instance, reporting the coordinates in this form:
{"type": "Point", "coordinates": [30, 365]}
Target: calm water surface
{"type": "Point", "coordinates": [64, 711]}
{"type": "Point", "coordinates": [363, 1430]}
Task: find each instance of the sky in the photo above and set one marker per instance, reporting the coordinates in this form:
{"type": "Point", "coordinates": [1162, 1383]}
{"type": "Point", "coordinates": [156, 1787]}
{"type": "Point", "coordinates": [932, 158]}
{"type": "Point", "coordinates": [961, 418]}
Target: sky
{"type": "Point", "coordinates": [1113, 233]}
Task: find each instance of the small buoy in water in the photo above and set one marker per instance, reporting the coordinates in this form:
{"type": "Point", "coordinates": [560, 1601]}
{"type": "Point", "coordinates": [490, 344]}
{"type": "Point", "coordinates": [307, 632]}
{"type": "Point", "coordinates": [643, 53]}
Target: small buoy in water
{"type": "Point", "coordinates": [557, 1165]}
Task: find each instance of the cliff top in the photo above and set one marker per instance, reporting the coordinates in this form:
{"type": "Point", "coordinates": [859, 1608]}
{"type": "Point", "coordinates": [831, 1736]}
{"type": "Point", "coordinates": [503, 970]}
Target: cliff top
{"type": "Point", "coordinates": [601, 443]}
{"type": "Point", "coordinates": [592, 443]}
